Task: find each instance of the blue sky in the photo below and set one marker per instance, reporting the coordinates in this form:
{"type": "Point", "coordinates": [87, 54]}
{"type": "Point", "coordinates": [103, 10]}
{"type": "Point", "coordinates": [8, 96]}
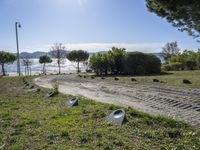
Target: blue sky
{"type": "Point", "coordinates": [92, 25]}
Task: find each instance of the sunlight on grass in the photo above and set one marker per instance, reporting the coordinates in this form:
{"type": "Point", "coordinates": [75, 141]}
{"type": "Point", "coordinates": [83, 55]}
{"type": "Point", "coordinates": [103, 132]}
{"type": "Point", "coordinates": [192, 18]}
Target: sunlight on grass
{"type": "Point", "coordinates": [28, 121]}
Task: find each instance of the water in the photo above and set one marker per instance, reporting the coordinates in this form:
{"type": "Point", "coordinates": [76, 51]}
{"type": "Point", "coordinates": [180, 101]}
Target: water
{"type": "Point", "coordinates": [36, 67]}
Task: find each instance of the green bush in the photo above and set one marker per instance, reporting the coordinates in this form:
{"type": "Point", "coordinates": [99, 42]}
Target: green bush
{"type": "Point", "coordinates": [173, 67]}
{"type": "Point", "coordinates": [190, 64]}
{"type": "Point", "coordinates": [139, 63]}
{"type": "Point", "coordinates": [99, 64]}
{"type": "Point", "coordinates": [56, 87]}
{"type": "Point", "coordinates": [153, 64]}
{"type": "Point", "coordinates": [187, 60]}
{"type": "Point", "coordinates": [119, 62]}
{"type": "Point", "coordinates": [140, 70]}
{"type": "Point", "coordinates": [166, 67]}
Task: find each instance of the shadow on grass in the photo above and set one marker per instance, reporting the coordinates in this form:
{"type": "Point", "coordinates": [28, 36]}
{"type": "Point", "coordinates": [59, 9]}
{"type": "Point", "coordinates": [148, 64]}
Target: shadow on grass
{"type": "Point", "coordinates": [131, 75]}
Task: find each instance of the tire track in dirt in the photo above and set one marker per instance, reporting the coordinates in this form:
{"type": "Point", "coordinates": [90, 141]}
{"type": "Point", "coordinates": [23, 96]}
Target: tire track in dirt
{"type": "Point", "coordinates": [181, 104]}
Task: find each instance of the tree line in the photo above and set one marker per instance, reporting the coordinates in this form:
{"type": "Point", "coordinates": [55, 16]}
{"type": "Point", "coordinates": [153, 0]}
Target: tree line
{"type": "Point", "coordinates": [175, 60]}
{"type": "Point", "coordinates": [186, 60]}
{"type": "Point", "coordinates": [57, 52]}
{"type": "Point", "coordinates": [184, 15]}
{"type": "Point", "coordinates": [118, 61]}
{"type": "Point", "coordinates": [115, 61]}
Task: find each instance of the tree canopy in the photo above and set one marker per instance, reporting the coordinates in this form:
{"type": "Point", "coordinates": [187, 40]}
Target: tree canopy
{"type": "Point", "coordinates": [183, 14]}
{"type": "Point", "coordinates": [187, 60]}
{"type": "Point", "coordinates": [118, 61]}
{"type": "Point", "coordinates": [100, 63]}
{"type": "Point", "coordinates": [43, 60]}
{"type": "Point", "coordinates": [58, 52]}
{"type": "Point", "coordinates": [138, 63]}
{"type": "Point", "coordinates": [170, 49]}
{"type": "Point", "coordinates": [77, 56]}
{"type": "Point", "coordinates": [5, 58]}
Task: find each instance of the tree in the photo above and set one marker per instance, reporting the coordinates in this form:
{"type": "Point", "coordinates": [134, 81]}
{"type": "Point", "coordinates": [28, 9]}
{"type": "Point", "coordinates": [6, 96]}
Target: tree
{"type": "Point", "coordinates": [27, 63]}
{"type": "Point", "coordinates": [153, 64]}
{"type": "Point", "coordinates": [198, 59]}
{"type": "Point", "coordinates": [78, 56]}
{"type": "Point", "coordinates": [183, 14]}
{"type": "Point", "coordinates": [58, 52]}
{"type": "Point", "coordinates": [188, 59]}
{"type": "Point", "coordinates": [133, 60]}
{"type": "Point", "coordinates": [135, 63]}
{"type": "Point", "coordinates": [170, 49]}
{"type": "Point", "coordinates": [43, 60]}
{"type": "Point", "coordinates": [117, 59]}
{"type": "Point", "coordinates": [191, 64]}
{"type": "Point", "coordinates": [6, 58]}
{"type": "Point", "coordinates": [100, 64]}
{"type": "Point", "coordinates": [138, 63]}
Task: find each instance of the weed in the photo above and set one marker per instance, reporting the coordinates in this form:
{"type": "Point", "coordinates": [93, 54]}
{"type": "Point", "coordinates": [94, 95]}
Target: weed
{"type": "Point", "coordinates": [56, 87]}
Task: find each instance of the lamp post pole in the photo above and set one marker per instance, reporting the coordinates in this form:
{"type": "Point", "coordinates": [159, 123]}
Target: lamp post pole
{"type": "Point", "coordinates": [17, 25]}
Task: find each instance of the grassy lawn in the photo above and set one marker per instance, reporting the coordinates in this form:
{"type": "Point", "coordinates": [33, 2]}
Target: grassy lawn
{"type": "Point", "coordinates": [28, 121]}
{"type": "Point", "coordinates": [172, 78]}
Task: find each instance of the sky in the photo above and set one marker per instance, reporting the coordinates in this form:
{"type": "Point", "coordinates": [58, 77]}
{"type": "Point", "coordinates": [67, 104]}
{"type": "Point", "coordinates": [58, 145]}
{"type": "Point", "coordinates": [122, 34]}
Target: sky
{"type": "Point", "coordinates": [92, 25]}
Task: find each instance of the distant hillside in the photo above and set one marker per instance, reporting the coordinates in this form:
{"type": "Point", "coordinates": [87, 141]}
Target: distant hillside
{"type": "Point", "coordinates": [37, 54]}
{"type": "Point", "coordinates": [32, 55]}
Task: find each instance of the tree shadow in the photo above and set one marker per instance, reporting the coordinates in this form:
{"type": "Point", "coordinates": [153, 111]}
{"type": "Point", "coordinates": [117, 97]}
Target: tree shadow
{"type": "Point", "coordinates": [132, 75]}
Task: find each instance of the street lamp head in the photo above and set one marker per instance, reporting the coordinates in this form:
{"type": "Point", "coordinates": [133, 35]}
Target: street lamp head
{"type": "Point", "coordinates": [18, 24]}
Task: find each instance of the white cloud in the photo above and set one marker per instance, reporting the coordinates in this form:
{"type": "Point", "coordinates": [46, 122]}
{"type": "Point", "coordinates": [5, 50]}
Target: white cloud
{"type": "Point", "coordinates": [95, 47]}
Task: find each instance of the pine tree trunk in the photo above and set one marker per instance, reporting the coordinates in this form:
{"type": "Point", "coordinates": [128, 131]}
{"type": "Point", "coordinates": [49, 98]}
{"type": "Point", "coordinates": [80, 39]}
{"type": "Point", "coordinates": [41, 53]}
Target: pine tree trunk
{"type": "Point", "coordinates": [59, 68]}
{"type": "Point", "coordinates": [78, 67]}
{"type": "Point", "coordinates": [44, 69]}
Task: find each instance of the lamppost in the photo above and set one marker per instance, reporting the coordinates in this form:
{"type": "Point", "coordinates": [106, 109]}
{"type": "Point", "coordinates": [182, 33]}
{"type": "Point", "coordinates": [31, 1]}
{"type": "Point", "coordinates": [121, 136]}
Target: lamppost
{"type": "Point", "coordinates": [17, 25]}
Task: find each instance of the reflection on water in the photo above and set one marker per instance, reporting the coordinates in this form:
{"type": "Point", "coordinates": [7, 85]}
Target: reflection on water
{"type": "Point", "coordinates": [66, 67]}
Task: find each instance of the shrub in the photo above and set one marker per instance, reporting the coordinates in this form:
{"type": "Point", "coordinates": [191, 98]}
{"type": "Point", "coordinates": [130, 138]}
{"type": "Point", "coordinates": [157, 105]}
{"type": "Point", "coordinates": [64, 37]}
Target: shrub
{"type": "Point", "coordinates": [173, 67]}
{"type": "Point", "coordinates": [190, 64]}
{"type": "Point", "coordinates": [166, 67]}
{"type": "Point", "coordinates": [140, 70]}
{"type": "Point", "coordinates": [185, 81]}
{"type": "Point", "coordinates": [189, 58]}
{"type": "Point", "coordinates": [140, 63]}
{"type": "Point", "coordinates": [133, 79]}
{"type": "Point", "coordinates": [153, 64]}
{"type": "Point", "coordinates": [117, 58]}
{"type": "Point", "coordinates": [79, 75]}
{"type": "Point", "coordinates": [55, 87]}
{"type": "Point", "coordinates": [100, 64]}
{"type": "Point", "coordinates": [156, 80]}
{"type": "Point", "coordinates": [88, 70]}
{"type": "Point", "coordinates": [116, 78]}
{"type": "Point", "coordinates": [117, 61]}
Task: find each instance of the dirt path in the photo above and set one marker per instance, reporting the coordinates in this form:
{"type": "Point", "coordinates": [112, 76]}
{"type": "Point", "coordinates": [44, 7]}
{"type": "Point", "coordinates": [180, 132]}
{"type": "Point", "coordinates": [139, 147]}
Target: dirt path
{"type": "Point", "coordinates": [182, 104]}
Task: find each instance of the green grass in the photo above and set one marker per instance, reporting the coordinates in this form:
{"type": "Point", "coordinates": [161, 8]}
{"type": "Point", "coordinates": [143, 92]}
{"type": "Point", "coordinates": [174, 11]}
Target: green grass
{"type": "Point", "coordinates": [172, 78]}
{"type": "Point", "coordinates": [28, 121]}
